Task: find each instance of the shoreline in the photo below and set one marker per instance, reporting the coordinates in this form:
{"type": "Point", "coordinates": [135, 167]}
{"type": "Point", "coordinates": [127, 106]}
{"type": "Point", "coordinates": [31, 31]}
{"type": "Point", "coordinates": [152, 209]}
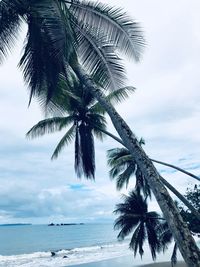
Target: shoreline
{"type": "Point", "coordinates": [128, 261]}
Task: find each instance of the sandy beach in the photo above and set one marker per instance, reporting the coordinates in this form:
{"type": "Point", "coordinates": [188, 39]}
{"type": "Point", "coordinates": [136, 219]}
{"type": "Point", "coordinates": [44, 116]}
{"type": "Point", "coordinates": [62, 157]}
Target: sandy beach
{"type": "Point", "coordinates": [164, 264]}
{"type": "Point", "coordinates": [127, 262]}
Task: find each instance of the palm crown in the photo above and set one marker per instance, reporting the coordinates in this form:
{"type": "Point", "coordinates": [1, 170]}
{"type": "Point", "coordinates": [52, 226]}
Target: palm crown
{"type": "Point", "coordinates": [134, 216]}
{"type": "Point", "coordinates": [62, 32]}
{"type": "Point", "coordinates": [123, 167]}
{"type": "Point", "coordinates": [84, 118]}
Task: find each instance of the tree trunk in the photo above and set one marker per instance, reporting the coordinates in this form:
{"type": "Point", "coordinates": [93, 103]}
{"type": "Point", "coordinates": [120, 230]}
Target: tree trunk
{"type": "Point", "coordinates": [179, 229]}
{"type": "Point", "coordinates": [176, 168]}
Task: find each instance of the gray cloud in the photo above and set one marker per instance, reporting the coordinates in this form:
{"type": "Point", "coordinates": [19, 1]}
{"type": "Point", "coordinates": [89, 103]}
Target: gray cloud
{"type": "Point", "coordinates": [164, 110]}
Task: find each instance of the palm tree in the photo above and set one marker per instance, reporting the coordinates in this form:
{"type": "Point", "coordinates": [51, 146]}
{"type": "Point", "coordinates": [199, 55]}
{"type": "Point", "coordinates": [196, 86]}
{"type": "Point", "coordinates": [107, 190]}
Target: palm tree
{"type": "Point", "coordinates": [61, 35]}
{"type": "Point", "coordinates": [82, 115]}
{"type": "Point", "coordinates": [144, 226]}
{"type": "Point", "coordinates": [122, 167]}
{"type": "Point", "coordinates": [135, 217]}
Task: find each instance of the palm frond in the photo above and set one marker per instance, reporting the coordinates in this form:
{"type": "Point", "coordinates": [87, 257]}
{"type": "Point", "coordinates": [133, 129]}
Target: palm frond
{"type": "Point", "coordinates": [115, 97]}
{"type": "Point", "coordinates": [115, 154]}
{"type": "Point", "coordinates": [61, 102]}
{"type": "Point", "coordinates": [10, 22]}
{"type": "Point", "coordinates": [137, 202]}
{"type": "Point", "coordinates": [119, 29]}
{"type": "Point", "coordinates": [123, 179]}
{"type": "Point", "coordinates": [165, 236]}
{"type": "Point", "coordinates": [126, 224]}
{"type": "Point", "coordinates": [138, 239]}
{"type": "Point", "coordinates": [49, 126]}
{"type": "Point", "coordinates": [122, 161]}
{"type": "Point", "coordinates": [134, 203]}
{"type": "Point", "coordinates": [67, 138]}
{"type": "Point", "coordinates": [174, 255]}
{"type": "Point", "coordinates": [84, 151]}
{"type": "Point", "coordinates": [78, 165]}
{"type": "Point", "coordinates": [120, 94]}
{"type": "Point", "coordinates": [98, 123]}
{"type": "Point", "coordinates": [153, 239]}
{"type": "Point", "coordinates": [44, 57]}
{"type": "Point", "coordinates": [122, 165]}
{"type": "Point", "coordinates": [99, 58]}
{"type": "Point", "coordinates": [87, 149]}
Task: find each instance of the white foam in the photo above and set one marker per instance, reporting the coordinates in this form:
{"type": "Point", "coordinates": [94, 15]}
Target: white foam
{"type": "Point", "coordinates": [74, 256]}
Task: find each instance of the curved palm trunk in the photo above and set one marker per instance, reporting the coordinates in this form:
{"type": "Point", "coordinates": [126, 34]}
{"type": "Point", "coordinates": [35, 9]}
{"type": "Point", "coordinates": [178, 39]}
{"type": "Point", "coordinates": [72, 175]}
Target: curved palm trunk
{"type": "Point", "coordinates": [181, 233]}
{"type": "Point", "coordinates": [155, 160]}
{"type": "Point", "coordinates": [177, 168]}
{"type": "Point", "coordinates": [168, 185]}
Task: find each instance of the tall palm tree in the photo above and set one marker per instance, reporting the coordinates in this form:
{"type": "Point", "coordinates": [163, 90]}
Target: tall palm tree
{"type": "Point", "coordinates": [135, 217]}
{"type": "Point", "coordinates": [61, 35]}
{"type": "Point", "coordinates": [82, 115]}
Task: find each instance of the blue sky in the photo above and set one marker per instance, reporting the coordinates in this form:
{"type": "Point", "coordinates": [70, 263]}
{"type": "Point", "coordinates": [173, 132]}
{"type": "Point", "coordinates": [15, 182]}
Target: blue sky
{"type": "Point", "coordinates": [164, 110]}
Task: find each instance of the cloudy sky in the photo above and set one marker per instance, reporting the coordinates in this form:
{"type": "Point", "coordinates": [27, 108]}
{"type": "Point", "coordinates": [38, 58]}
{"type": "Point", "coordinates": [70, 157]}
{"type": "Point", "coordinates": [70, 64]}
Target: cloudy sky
{"type": "Point", "coordinates": [165, 111]}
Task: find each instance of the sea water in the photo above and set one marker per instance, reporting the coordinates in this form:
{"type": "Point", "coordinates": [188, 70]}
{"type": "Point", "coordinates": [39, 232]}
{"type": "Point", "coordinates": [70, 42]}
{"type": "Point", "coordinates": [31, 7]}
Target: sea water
{"type": "Point", "coordinates": [31, 245]}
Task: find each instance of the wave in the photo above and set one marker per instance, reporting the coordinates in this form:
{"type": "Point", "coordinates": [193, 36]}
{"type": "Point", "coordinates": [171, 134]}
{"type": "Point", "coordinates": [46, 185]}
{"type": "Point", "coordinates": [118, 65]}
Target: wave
{"type": "Point", "coordinates": [67, 257]}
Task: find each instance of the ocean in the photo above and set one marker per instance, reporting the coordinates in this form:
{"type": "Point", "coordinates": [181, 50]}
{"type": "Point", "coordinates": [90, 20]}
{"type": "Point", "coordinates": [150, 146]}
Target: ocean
{"type": "Point", "coordinates": [31, 245]}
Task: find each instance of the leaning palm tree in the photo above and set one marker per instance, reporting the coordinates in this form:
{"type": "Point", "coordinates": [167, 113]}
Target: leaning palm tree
{"type": "Point", "coordinates": [83, 117]}
{"type": "Point", "coordinates": [123, 167]}
{"type": "Point", "coordinates": [135, 217]}
{"type": "Point", "coordinates": [82, 38]}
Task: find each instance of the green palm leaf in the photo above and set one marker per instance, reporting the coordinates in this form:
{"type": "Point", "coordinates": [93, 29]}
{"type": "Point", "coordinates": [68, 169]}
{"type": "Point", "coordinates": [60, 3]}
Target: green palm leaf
{"type": "Point", "coordinates": [98, 123]}
{"type": "Point", "coordinates": [61, 102]}
{"type": "Point", "coordinates": [119, 29]}
{"type": "Point", "coordinates": [153, 239]}
{"type": "Point", "coordinates": [44, 57]}
{"type": "Point", "coordinates": [49, 126]}
{"type": "Point", "coordinates": [67, 138]}
{"type": "Point", "coordinates": [123, 178]}
{"type": "Point", "coordinates": [137, 240]}
{"type": "Point", "coordinates": [115, 97]}
{"type": "Point", "coordinates": [10, 22]}
{"type": "Point", "coordinates": [122, 167]}
{"type": "Point", "coordinates": [98, 58]}
{"type": "Point", "coordinates": [87, 150]}
{"type": "Point", "coordinates": [126, 224]}
{"type": "Point", "coordinates": [166, 236]}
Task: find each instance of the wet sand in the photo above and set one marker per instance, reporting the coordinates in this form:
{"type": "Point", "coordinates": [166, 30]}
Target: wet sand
{"type": "Point", "coordinates": [127, 262]}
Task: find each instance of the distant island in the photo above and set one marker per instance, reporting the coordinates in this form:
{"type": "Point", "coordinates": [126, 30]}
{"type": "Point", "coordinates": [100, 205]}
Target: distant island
{"type": "Point", "coordinates": [15, 224]}
{"type": "Point", "coordinates": [64, 224]}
